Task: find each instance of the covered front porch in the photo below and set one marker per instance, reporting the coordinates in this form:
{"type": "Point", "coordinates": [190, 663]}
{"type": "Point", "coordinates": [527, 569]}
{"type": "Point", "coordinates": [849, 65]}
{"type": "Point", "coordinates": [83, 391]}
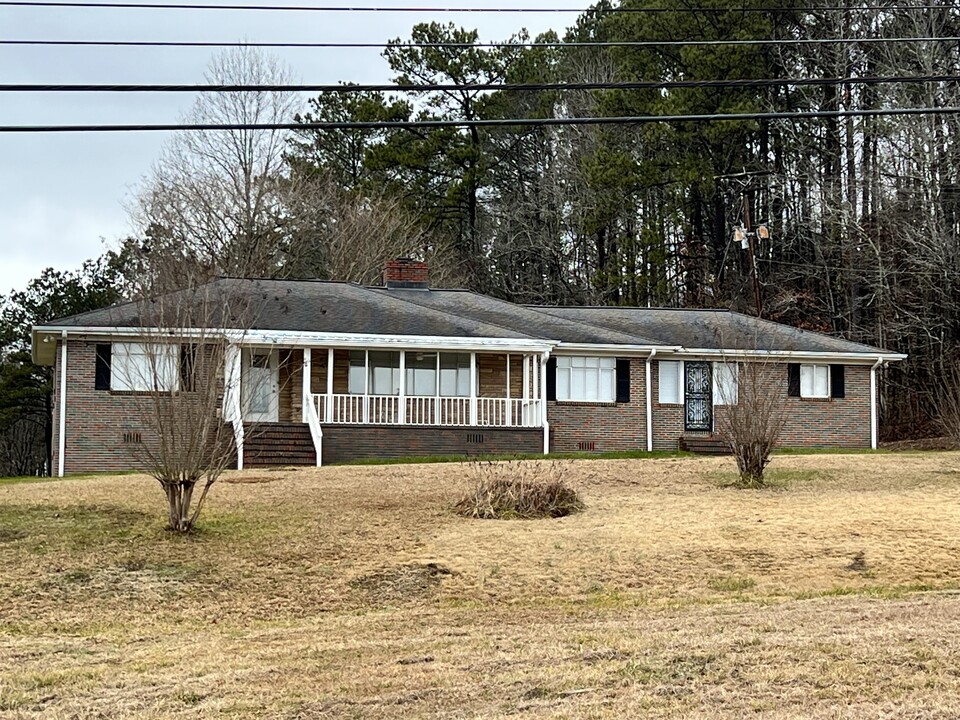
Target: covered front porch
{"type": "Point", "coordinates": [327, 388]}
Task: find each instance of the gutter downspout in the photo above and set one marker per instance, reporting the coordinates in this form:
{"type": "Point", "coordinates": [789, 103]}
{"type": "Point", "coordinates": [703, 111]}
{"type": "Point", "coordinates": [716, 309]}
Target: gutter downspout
{"type": "Point", "coordinates": [62, 439]}
{"type": "Point", "coordinates": [545, 358]}
{"type": "Point", "coordinates": [650, 357]}
{"type": "Point", "coordinates": [873, 404]}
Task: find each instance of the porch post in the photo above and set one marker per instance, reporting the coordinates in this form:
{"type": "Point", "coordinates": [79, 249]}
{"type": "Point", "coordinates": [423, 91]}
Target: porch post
{"type": "Point", "coordinates": [366, 387]}
{"type": "Point", "coordinates": [873, 404]}
{"type": "Point", "coordinates": [473, 388]}
{"type": "Point", "coordinates": [328, 410]}
{"type": "Point", "coordinates": [543, 403]}
{"type": "Point", "coordinates": [62, 432]}
{"type": "Point", "coordinates": [232, 408]}
{"type": "Point", "coordinates": [402, 400]}
{"type": "Point", "coordinates": [525, 406]}
{"type": "Point", "coordinates": [509, 413]}
{"type": "Point", "coordinates": [307, 391]}
{"type": "Point", "coordinates": [649, 395]}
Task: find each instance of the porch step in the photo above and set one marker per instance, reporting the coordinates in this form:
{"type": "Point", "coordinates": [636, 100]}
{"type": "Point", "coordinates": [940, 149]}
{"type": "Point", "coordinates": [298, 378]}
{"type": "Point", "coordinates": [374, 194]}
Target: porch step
{"type": "Point", "coordinates": [273, 444]}
{"type": "Point", "coordinates": [704, 445]}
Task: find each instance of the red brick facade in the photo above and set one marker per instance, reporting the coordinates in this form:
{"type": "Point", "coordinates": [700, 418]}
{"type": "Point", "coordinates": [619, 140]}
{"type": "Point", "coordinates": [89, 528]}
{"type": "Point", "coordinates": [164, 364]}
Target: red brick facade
{"type": "Point", "coordinates": [104, 428]}
{"type": "Point", "coordinates": [602, 427]}
{"type": "Point", "coordinates": [831, 423]}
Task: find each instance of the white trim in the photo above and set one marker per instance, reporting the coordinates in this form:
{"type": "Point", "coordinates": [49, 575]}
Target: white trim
{"type": "Point", "coordinates": [508, 416]}
{"type": "Point", "coordinates": [232, 406]}
{"type": "Point", "coordinates": [564, 348]}
{"type": "Point", "coordinates": [650, 401]}
{"type": "Point", "coordinates": [306, 391]}
{"type": "Point", "coordinates": [328, 409]}
{"type": "Point", "coordinates": [62, 439]}
{"type": "Point", "coordinates": [795, 355]}
{"type": "Point", "coordinates": [289, 338]}
{"type": "Point", "coordinates": [544, 360]}
{"type": "Point", "coordinates": [874, 421]}
{"type": "Point", "coordinates": [473, 389]}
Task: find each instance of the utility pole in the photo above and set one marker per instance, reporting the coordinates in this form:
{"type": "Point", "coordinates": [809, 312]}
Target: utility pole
{"type": "Point", "coordinates": [751, 238]}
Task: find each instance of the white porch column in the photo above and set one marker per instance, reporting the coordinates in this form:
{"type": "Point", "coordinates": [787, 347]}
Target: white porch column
{"type": "Point", "coordinates": [62, 439]}
{"type": "Point", "coordinates": [873, 405]}
{"type": "Point", "coordinates": [328, 410]}
{"type": "Point", "coordinates": [402, 400]}
{"type": "Point", "coordinates": [307, 390]}
{"type": "Point", "coordinates": [649, 394]}
{"type": "Point", "coordinates": [232, 410]}
{"type": "Point", "coordinates": [473, 388]}
{"type": "Point", "coordinates": [366, 387]}
{"type": "Point", "coordinates": [525, 405]}
{"type": "Point", "coordinates": [543, 401]}
{"type": "Point", "coordinates": [508, 417]}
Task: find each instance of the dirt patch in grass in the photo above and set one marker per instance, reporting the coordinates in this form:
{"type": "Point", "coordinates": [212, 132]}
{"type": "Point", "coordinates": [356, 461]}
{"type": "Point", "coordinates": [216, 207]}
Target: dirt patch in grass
{"type": "Point", "coordinates": [355, 592]}
{"type": "Point", "coordinates": [404, 582]}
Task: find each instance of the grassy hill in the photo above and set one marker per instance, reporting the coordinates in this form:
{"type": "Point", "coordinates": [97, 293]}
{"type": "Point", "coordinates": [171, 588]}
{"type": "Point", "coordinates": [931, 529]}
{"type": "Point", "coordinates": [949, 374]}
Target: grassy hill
{"type": "Point", "coordinates": [350, 592]}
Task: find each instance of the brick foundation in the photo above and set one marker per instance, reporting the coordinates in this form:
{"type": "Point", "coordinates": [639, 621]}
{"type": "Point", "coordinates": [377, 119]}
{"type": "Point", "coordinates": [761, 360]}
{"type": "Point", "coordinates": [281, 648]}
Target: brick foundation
{"type": "Point", "coordinates": [343, 443]}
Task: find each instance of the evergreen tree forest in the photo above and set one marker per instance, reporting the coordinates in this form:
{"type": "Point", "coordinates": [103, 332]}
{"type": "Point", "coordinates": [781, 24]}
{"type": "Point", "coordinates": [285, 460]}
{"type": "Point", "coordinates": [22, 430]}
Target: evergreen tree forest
{"type": "Point", "coordinates": [862, 207]}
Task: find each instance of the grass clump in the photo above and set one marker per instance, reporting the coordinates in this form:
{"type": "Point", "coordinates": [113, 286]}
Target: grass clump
{"type": "Point", "coordinates": [518, 490]}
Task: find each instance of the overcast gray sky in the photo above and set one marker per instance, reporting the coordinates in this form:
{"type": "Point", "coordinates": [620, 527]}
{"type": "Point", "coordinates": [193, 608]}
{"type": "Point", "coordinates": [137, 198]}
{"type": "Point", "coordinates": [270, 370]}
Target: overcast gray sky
{"type": "Point", "coordinates": [62, 195]}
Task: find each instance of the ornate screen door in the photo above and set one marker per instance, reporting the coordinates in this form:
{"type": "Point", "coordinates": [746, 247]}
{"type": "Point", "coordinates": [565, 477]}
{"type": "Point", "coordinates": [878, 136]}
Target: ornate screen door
{"type": "Point", "coordinates": [698, 396]}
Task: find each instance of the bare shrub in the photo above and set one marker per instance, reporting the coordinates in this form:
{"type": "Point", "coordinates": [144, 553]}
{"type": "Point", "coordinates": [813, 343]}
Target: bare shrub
{"type": "Point", "coordinates": [518, 490]}
{"type": "Point", "coordinates": [752, 422]}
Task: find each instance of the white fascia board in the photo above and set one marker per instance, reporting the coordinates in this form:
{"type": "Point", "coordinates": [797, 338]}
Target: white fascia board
{"type": "Point", "coordinates": [852, 358]}
{"type": "Point", "coordinates": [301, 339]}
{"type": "Point", "coordinates": [609, 349]}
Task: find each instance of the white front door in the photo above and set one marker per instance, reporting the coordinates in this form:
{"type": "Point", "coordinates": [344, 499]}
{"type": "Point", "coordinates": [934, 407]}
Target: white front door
{"type": "Point", "coordinates": [260, 387]}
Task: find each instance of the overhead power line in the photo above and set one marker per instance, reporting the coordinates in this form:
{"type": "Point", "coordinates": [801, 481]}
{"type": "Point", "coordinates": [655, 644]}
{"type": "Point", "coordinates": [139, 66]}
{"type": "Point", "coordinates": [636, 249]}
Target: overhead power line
{"type": "Point", "coordinates": [516, 122]}
{"type": "Point", "coordinates": [459, 9]}
{"type": "Point", "coordinates": [464, 46]}
{"type": "Point", "coordinates": [512, 87]}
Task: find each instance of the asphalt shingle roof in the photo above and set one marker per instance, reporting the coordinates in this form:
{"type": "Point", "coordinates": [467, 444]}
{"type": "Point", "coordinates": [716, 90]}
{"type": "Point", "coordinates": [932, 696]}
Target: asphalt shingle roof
{"type": "Point", "coordinates": [336, 307]}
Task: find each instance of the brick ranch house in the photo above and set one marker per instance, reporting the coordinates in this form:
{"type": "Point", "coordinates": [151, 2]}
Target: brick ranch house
{"type": "Point", "coordinates": [332, 372]}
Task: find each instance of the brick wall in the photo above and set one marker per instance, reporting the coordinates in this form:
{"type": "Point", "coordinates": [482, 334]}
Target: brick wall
{"type": "Point", "coordinates": [609, 427]}
{"type": "Point", "coordinates": [832, 423]}
{"type": "Point", "coordinates": [105, 431]}
{"type": "Point", "coordinates": [342, 443]}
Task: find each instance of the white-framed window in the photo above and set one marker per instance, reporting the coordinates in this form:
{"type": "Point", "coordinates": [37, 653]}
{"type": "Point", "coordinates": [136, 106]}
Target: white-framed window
{"type": "Point", "coordinates": [421, 374]}
{"type": "Point", "coordinates": [454, 374]}
{"type": "Point", "coordinates": [587, 379]}
{"type": "Point", "coordinates": [144, 367]}
{"type": "Point", "coordinates": [384, 372]}
{"type": "Point", "coordinates": [726, 379]}
{"type": "Point", "coordinates": [670, 382]}
{"type": "Point", "coordinates": [357, 374]}
{"type": "Point", "coordinates": [814, 381]}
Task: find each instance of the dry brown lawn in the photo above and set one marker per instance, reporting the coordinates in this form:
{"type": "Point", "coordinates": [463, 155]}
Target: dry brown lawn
{"type": "Point", "coordinates": [354, 592]}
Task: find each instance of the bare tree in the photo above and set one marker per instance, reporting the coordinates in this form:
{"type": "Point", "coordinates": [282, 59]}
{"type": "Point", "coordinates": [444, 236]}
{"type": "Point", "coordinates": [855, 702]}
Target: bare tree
{"type": "Point", "coordinates": [214, 199]}
{"type": "Point", "coordinates": [947, 402]}
{"type": "Point", "coordinates": [753, 417]}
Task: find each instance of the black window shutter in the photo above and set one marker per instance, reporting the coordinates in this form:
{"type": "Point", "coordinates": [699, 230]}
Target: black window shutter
{"type": "Point", "coordinates": [623, 380]}
{"type": "Point", "coordinates": [552, 379]}
{"type": "Point", "coordinates": [102, 369]}
{"type": "Point", "coordinates": [187, 359]}
{"type": "Point", "coordinates": [837, 386]}
{"type": "Point", "coordinates": [793, 379]}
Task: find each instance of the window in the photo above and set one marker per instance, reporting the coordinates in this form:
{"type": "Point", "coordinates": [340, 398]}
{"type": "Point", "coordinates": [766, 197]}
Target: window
{"type": "Point", "coordinates": [421, 374]}
{"type": "Point", "coordinates": [455, 374]}
{"type": "Point", "coordinates": [357, 377]}
{"type": "Point", "coordinates": [588, 379]}
{"type": "Point", "coordinates": [725, 381]}
{"type": "Point", "coordinates": [144, 367]}
{"type": "Point", "coordinates": [671, 389]}
{"type": "Point", "coordinates": [814, 381]}
{"type": "Point", "coordinates": [384, 373]}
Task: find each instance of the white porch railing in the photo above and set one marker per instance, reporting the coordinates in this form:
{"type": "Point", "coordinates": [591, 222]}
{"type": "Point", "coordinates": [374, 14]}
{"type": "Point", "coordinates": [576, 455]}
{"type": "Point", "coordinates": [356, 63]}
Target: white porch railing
{"type": "Point", "coordinates": [445, 411]}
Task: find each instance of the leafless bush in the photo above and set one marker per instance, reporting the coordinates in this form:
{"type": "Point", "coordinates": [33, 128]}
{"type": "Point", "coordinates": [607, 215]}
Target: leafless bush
{"type": "Point", "coordinates": [518, 490]}
{"type": "Point", "coordinates": [752, 425]}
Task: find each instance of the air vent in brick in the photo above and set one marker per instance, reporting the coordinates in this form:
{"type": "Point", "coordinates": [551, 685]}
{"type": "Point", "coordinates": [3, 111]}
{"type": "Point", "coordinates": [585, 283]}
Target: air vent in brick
{"type": "Point", "coordinates": [475, 438]}
{"type": "Point", "coordinates": [132, 438]}
{"type": "Point", "coordinates": [584, 445]}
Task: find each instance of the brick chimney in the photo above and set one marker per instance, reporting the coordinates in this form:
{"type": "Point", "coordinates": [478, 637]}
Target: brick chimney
{"type": "Point", "coordinates": [406, 273]}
